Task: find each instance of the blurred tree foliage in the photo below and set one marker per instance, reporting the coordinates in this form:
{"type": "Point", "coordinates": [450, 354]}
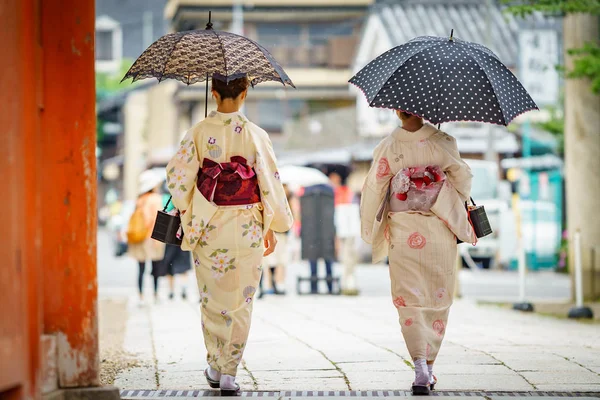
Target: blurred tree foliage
{"type": "Point", "coordinates": [108, 83]}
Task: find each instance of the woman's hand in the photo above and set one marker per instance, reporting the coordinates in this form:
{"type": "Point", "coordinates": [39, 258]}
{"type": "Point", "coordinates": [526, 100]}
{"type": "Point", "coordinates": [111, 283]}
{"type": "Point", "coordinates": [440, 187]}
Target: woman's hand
{"type": "Point", "coordinates": [270, 243]}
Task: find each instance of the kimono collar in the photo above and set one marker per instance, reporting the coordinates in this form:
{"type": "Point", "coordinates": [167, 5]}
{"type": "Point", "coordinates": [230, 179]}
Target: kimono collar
{"type": "Point", "coordinates": [227, 117]}
{"type": "Point", "coordinates": [407, 136]}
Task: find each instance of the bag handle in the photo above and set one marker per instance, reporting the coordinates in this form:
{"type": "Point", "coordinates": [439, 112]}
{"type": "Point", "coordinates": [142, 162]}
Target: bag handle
{"type": "Point", "coordinates": [467, 203]}
{"type": "Point", "coordinates": [167, 205]}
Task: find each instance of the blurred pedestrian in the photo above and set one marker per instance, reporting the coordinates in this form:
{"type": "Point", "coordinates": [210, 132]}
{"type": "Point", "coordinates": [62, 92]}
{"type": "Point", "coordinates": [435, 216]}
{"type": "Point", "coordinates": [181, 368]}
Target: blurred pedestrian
{"type": "Point", "coordinates": [317, 232]}
{"type": "Point", "coordinates": [413, 208]}
{"type": "Point", "coordinates": [274, 265]}
{"type": "Point", "coordinates": [347, 227]}
{"type": "Point", "coordinates": [140, 245]}
{"type": "Point", "coordinates": [225, 183]}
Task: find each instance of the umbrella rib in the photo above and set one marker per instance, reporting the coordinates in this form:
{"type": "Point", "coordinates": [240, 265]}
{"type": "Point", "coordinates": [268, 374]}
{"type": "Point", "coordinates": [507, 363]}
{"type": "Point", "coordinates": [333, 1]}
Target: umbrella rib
{"type": "Point", "coordinates": [169, 57]}
{"type": "Point", "coordinates": [468, 50]}
{"type": "Point", "coordinates": [224, 57]}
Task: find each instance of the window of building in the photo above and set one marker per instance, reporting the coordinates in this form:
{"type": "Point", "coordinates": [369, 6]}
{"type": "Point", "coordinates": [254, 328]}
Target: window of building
{"type": "Point", "coordinates": [104, 45]}
{"type": "Point", "coordinates": [272, 114]}
{"type": "Point", "coordinates": [279, 34]}
{"type": "Point", "coordinates": [319, 34]}
{"type": "Point", "coordinates": [109, 44]}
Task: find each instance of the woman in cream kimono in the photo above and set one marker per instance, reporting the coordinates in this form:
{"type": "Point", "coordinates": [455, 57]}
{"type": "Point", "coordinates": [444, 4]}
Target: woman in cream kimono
{"type": "Point", "coordinates": [412, 209]}
{"type": "Point", "coordinates": [225, 183]}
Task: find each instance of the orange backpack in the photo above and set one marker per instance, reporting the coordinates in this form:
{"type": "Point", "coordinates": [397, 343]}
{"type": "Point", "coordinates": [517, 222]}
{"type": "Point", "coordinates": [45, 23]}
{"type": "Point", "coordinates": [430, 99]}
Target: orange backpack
{"type": "Point", "coordinates": [137, 230]}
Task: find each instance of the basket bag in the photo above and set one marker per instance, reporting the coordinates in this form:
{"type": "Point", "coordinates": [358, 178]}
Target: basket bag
{"type": "Point", "coordinates": [478, 220]}
{"type": "Point", "coordinates": [166, 227]}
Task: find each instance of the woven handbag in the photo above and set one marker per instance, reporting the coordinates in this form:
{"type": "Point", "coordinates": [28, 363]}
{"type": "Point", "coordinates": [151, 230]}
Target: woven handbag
{"type": "Point", "coordinates": [478, 220]}
{"type": "Point", "coordinates": [166, 227]}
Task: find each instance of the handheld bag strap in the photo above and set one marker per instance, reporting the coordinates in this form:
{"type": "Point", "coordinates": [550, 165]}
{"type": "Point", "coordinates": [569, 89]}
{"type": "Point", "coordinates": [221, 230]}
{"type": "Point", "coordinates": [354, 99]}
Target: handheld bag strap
{"type": "Point", "coordinates": [167, 205]}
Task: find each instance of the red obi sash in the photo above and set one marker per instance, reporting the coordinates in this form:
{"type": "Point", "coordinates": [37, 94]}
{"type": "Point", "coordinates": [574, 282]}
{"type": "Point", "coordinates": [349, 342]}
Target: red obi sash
{"type": "Point", "coordinates": [228, 184]}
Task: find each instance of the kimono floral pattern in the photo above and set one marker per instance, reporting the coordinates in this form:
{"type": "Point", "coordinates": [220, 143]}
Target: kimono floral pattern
{"type": "Point", "coordinates": [439, 327]}
{"type": "Point", "coordinates": [221, 263]}
{"type": "Point", "coordinates": [399, 302]}
{"type": "Point", "coordinates": [198, 232]}
{"type": "Point", "coordinates": [249, 292]}
{"type": "Point", "coordinates": [383, 168]}
{"type": "Point", "coordinates": [214, 150]}
{"type": "Point", "coordinates": [440, 293]}
{"type": "Point", "coordinates": [416, 241]}
{"type": "Point", "coordinates": [238, 351]}
{"type": "Point", "coordinates": [214, 357]}
{"type": "Point", "coordinates": [176, 181]}
{"type": "Point", "coordinates": [226, 318]}
{"type": "Point", "coordinates": [204, 296]}
{"type": "Point", "coordinates": [253, 230]}
{"type": "Point", "coordinates": [238, 123]}
{"type": "Point", "coordinates": [187, 151]}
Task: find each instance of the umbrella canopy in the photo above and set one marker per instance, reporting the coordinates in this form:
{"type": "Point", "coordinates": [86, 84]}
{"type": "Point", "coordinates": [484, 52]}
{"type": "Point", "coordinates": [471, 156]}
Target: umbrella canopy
{"type": "Point", "coordinates": [444, 79]}
{"type": "Point", "coordinates": [293, 175]}
{"type": "Point", "coordinates": [194, 56]}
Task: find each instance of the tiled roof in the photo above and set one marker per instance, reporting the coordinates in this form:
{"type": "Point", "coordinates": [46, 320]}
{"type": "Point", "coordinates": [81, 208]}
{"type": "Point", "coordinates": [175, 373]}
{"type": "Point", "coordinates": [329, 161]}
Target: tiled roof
{"type": "Point", "coordinates": [472, 20]}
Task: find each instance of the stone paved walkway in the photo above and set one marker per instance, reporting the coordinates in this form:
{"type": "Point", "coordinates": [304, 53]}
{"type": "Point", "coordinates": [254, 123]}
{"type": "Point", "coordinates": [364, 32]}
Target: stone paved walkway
{"type": "Point", "coordinates": [354, 344]}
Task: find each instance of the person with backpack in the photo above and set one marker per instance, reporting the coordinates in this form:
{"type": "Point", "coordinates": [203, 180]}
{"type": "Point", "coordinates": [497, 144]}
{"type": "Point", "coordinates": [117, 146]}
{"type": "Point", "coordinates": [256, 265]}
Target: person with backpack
{"type": "Point", "coordinates": [140, 245]}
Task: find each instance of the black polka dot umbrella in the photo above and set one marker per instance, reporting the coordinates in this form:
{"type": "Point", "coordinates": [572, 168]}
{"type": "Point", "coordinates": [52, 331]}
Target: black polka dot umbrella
{"type": "Point", "coordinates": [444, 79]}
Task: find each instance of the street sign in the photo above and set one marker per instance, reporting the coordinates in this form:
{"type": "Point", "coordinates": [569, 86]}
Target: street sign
{"type": "Point", "coordinates": [538, 58]}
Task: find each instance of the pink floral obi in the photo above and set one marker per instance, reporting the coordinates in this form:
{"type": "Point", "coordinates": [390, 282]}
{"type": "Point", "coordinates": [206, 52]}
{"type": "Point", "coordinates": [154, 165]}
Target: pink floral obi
{"type": "Point", "coordinates": [416, 188]}
{"type": "Point", "coordinates": [228, 184]}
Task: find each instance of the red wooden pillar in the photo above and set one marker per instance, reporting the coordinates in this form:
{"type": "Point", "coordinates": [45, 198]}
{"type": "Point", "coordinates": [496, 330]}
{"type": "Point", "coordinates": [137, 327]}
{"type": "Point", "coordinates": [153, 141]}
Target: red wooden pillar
{"type": "Point", "coordinates": [68, 195]}
{"type": "Point", "coordinates": [20, 289]}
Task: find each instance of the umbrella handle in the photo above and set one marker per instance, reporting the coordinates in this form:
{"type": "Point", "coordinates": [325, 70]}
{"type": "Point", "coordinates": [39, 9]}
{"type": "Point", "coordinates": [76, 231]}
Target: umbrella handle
{"type": "Point", "coordinates": [209, 25]}
{"type": "Point", "coordinates": [206, 98]}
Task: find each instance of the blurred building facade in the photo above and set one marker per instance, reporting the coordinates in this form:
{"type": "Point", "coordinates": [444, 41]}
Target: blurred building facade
{"type": "Point", "coordinates": [124, 29]}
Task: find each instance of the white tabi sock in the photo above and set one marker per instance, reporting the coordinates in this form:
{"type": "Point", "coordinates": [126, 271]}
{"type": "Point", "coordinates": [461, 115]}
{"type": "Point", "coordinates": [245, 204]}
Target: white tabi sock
{"type": "Point", "coordinates": [228, 382]}
{"type": "Point", "coordinates": [431, 378]}
{"type": "Point", "coordinates": [213, 374]}
{"type": "Point", "coordinates": [421, 373]}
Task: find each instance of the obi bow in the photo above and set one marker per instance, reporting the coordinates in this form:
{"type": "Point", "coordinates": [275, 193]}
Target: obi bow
{"type": "Point", "coordinates": [415, 178]}
{"type": "Point", "coordinates": [210, 171]}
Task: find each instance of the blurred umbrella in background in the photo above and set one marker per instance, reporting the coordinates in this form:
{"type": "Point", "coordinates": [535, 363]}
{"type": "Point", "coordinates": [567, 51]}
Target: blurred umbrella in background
{"type": "Point", "coordinates": [295, 176]}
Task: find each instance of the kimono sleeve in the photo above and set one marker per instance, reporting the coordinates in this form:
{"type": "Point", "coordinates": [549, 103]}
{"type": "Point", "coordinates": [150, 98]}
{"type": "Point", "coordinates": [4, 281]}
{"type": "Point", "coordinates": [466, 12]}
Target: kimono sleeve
{"type": "Point", "coordinates": [182, 172]}
{"type": "Point", "coordinates": [374, 190]}
{"type": "Point", "coordinates": [277, 212]}
{"type": "Point", "coordinates": [457, 171]}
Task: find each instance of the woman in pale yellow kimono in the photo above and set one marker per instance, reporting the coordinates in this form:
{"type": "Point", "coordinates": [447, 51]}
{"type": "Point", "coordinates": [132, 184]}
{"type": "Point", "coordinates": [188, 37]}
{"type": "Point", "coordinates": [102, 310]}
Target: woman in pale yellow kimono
{"type": "Point", "coordinates": [420, 239]}
{"type": "Point", "coordinates": [225, 182]}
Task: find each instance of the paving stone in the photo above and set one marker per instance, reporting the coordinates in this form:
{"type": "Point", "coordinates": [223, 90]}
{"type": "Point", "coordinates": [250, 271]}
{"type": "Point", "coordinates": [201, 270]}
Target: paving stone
{"type": "Point", "coordinates": [136, 378]}
{"type": "Point", "coordinates": [471, 369]}
{"type": "Point", "coordinates": [382, 380]}
{"type": "Point", "coordinates": [482, 382]}
{"type": "Point", "coordinates": [545, 377]}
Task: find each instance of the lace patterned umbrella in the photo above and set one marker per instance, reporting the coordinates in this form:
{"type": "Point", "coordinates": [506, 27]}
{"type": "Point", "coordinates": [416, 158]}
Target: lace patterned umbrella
{"type": "Point", "coordinates": [195, 56]}
{"type": "Point", "coordinates": [444, 79]}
